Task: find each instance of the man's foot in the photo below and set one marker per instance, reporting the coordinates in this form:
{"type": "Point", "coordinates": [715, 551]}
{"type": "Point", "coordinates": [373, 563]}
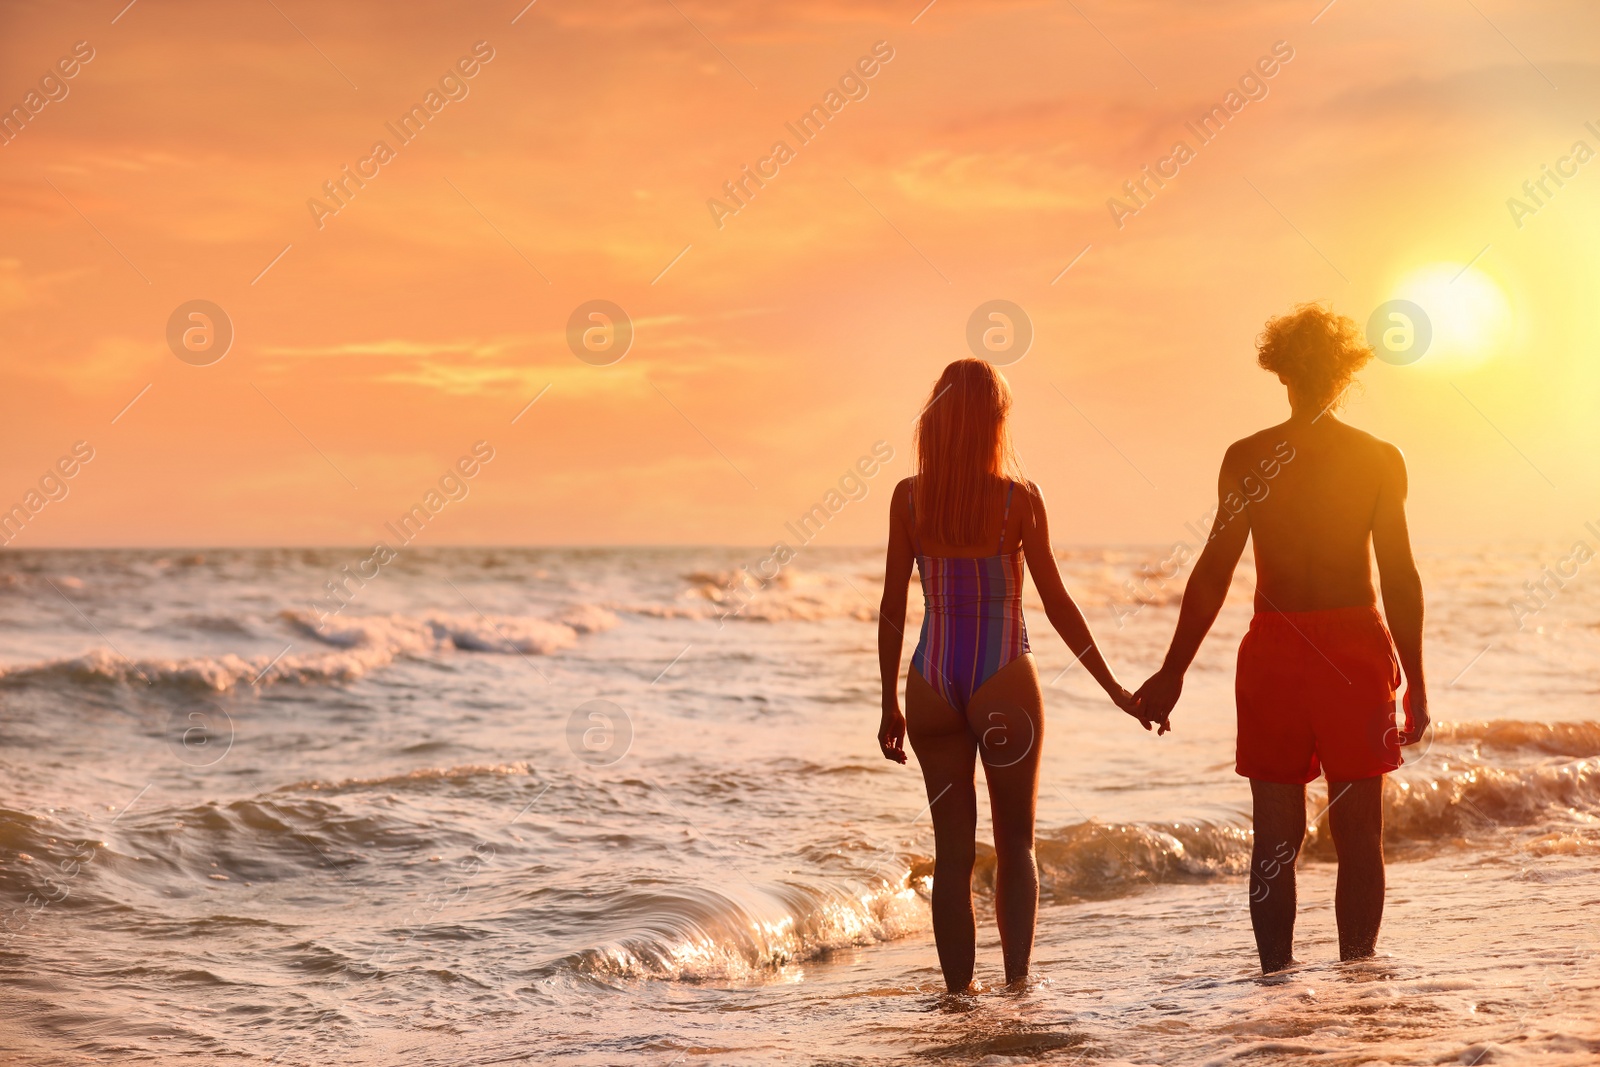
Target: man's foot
{"type": "Point", "coordinates": [963, 1001]}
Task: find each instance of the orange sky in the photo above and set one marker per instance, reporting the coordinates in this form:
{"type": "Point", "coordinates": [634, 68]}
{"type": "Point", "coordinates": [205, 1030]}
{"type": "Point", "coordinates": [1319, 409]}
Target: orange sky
{"type": "Point", "coordinates": [770, 357]}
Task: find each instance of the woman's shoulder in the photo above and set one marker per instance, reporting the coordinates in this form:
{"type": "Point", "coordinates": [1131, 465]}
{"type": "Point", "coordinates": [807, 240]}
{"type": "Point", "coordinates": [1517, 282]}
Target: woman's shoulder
{"type": "Point", "coordinates": [1029, 500]}
{"type": "Point", "coordinates": [901, 494]}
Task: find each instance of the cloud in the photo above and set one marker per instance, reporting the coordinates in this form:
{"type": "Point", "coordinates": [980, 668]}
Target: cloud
{"type": "Point", "coordinates": [399, 348]}
{"type": "Point", "coordinates": [486, 366]}
{"type": "Point", "coordinates": [1000, 181]}
{"type": "Point", "coordinates": [91, 368]}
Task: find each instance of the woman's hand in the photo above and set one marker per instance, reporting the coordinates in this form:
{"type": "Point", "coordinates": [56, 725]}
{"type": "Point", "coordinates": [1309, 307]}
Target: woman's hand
{"type": "Point", "coordinates": [892, 735]}
{"type": "Point", "coordinates": [1128, 703]}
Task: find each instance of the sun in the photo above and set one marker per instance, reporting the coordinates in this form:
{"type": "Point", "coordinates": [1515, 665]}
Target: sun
{"type": "Point", "coordinates": [1470, 316]}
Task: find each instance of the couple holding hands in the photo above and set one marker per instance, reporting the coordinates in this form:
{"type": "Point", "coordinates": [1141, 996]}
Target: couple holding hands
{"type": "Point", "coordinates": [1317, 672]}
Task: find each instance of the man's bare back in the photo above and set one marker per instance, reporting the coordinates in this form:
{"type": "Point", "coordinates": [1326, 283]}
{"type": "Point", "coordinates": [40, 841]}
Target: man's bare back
{"type": "Point", "coordinates": [1318, 493]}
{"type": "Point", "coordinates": [1321, 499]}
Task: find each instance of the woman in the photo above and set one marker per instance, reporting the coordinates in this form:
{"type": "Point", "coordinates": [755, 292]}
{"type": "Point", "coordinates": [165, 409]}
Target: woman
{"type": "Point", "coordinates": [973, 687]}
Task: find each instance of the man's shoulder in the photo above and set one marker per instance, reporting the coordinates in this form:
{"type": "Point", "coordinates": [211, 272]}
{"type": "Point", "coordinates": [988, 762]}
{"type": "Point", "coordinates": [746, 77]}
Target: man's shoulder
{"type": "Point", "coordinates": [1281, 437]}
{"type": "Point", "coordinates": [1382, 451]}
{"type": "Point", "coordinates": [1260, 437]}
{"type": "Point", "coordinates": [1272, 440]}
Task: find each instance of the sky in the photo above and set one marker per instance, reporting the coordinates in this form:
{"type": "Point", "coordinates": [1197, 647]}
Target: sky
{"type": "Point", "coordinates": [578, 152]}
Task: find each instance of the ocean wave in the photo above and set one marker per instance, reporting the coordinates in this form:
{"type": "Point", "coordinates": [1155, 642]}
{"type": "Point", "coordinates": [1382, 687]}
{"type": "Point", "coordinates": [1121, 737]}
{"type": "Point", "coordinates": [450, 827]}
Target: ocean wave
{"type": "Point", "coordinates": [663, 611]}
{"type": "Point", "coordinates": [99, 667]}
{"type": "Point", "coordinates": [1094, 860]}
{"type": "Point", "coordinates": [1468, 799]}
{"type": "Point", "coordinates": [731, 934]}
{"type": "Point", "coordinates": [798, 594]}
{"type": "Point", "coordinates": [727, 931]}
{"type": "Point", "coordinates": [1572, 739]}
{"type": "Point", "coordinates": [1454, 804]}
{"type": "Point", "coordinates": [233, 625]}
{"type": "Point", "coordinates": [19, 830]}
{"type": "Point", "coordinates": [173, 851]}
{"type": "Point", "coordinates": [421, 777]}
{"type": "Point", "coordinates": [735, 594]}
{"type": "Point", "coordinates": [587, 618]}
{"type": "Point", "coordinates": [728, 934]}
{"type": "Point", "coordinates": [764, 606]}
{"type": "Point", "coordinates": [739, 933]}
{"type": "Point", "coordinates": [361, 644]}
{"type": "Point", "coordinates": [402, 634]}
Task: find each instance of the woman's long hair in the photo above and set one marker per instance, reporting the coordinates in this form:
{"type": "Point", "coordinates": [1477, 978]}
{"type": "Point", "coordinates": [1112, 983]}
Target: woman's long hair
{"type": "Point", "coordinates": [963, 447]}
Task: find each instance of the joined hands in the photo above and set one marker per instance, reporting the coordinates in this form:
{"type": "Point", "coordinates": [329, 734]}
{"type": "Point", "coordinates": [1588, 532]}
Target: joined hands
{"type": "Point", "coordinates": [1152, 705]}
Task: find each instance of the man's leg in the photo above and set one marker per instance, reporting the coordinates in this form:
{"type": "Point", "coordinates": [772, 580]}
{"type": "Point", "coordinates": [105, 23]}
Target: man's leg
{"type": "Point", "coordinates": [1355, 815]}
{"type": "Point", "coordinates": [1280, 827]}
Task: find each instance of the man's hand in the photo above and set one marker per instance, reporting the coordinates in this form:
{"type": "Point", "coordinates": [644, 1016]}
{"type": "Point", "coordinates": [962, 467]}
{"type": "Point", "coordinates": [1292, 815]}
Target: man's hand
{"type": "Point", "coordinates": [1417, 720]}
{"type": "Point", "coordinates": [1130, 704]}
{"type": "Point", "coordinates": [1159, 696]}
{"type": "Point", "coordinates": [892, 735]}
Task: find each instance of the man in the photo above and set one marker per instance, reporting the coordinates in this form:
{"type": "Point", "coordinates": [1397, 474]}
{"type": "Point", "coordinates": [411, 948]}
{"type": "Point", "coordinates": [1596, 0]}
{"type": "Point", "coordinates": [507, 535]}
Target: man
{"type": "Point", "coordinates": [1317, 672]}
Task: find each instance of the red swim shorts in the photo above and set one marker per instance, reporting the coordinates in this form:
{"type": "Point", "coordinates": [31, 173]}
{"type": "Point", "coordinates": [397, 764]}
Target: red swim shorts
{"type": "Point", "coordinates": [1315, 694]}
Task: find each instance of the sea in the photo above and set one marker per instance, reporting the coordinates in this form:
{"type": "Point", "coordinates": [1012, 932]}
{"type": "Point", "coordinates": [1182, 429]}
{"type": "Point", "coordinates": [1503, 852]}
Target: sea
{"type": "Point", "coordinates": [581, 806]}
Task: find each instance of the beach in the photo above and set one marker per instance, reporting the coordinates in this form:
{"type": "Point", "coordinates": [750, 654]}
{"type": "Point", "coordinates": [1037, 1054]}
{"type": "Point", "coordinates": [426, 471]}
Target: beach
{"type": "Point", "coordinates": [232, 837]}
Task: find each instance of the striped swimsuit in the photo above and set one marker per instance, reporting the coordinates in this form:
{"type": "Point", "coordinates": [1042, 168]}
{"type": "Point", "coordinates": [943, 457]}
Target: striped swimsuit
{"type": "Point", "coordinates": [972, 623]}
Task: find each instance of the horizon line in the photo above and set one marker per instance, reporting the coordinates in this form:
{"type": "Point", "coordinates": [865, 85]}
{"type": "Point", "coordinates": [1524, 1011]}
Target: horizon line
{"type": "Point", "coordinates": [616, 545]}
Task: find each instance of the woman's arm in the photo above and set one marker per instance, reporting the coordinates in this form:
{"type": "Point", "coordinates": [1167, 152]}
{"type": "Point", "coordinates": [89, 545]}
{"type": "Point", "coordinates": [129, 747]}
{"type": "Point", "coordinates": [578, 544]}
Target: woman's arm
{"type": "Point", "coordinates": [1059, 606]}
{"type": "Point", "coordinates": [1203, 595]}
{"type": "Point", "coordinates": [892, 622]}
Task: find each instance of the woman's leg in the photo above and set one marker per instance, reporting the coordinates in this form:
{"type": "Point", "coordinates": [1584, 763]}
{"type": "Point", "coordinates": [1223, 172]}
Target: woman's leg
{"type": "Point", "coordinates": [945, 749]}
{"type": "Point", "coordinates": [1006, 715]}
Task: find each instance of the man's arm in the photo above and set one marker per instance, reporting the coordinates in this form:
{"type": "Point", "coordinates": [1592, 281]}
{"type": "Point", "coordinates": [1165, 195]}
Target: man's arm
{"type": "Point", "coordinates": [1204, 593]}
{"type": "Point", "coordinates": [1402, 587]}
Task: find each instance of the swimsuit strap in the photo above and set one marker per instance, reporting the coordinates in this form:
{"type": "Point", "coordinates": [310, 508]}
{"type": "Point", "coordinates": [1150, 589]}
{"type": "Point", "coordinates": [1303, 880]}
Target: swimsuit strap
{"type": "Point", "coordinates": [1010, 486]}
{"type": "Point", "coordinates": [911, 502]}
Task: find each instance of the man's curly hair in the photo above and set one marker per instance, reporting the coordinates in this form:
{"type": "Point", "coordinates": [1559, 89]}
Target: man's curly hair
{"type": "Point", "coordinates": [1315, 350]}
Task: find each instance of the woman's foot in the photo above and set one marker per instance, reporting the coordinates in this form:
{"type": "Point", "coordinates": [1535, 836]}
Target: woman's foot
{"type": "Point", "coordinates": [963, 1000]}
{"type": "Point", "coordinates": [1023, 984]}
